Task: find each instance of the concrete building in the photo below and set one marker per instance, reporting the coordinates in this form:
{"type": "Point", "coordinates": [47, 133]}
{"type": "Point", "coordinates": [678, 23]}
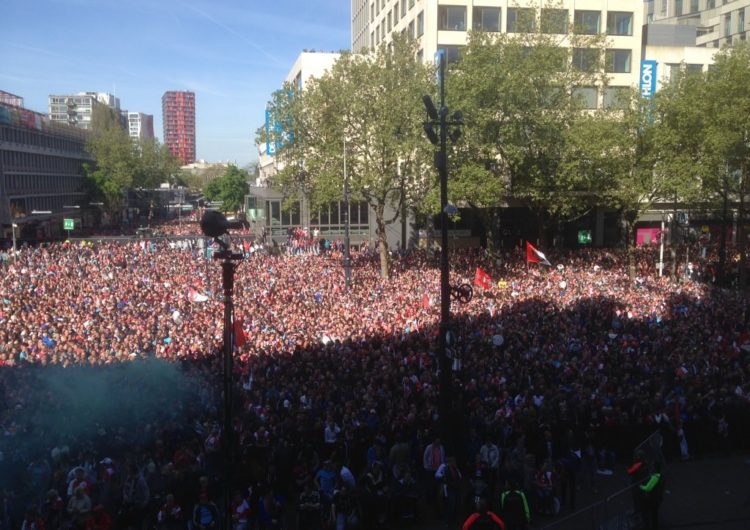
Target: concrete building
{"type": "Point", "coordinates": [41, 173]}
{"type": "Point", "coordinates": [10, 99]}
{"type": "Point", "coordinates": [716, 22]}
{"type": "Point", "coordinates": [140, 125]}
{"type": "Point", "coordinates": [668, 49]}
{"type": "Point", "coordinates": [77, 109]}
{"type": "Point", "coordinates": [444, 24]}
{"type": "Point", "coordinates": [178, 115]}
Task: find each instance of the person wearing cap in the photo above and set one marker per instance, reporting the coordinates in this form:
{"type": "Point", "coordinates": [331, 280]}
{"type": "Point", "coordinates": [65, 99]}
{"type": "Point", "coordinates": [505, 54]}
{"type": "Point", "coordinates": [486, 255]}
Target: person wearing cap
{"type": "Point", "coordinates": [483, 519]}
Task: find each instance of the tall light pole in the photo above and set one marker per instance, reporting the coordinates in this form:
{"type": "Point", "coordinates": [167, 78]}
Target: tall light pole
{"type": "Point", "coordinates": [439, 118]}
{"type": "Point", "coordinates": [13, 227]}
{"type": "Point", "coordinates": [347, 242]}
{"type": "Point", "coordinates": [215, 225]}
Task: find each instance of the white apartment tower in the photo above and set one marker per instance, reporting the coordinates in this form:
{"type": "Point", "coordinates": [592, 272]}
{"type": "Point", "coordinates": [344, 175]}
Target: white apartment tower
{"type": "Point", "coordinates": [77, 109]}
{"type": "Point", "coordinates": [140, 125]}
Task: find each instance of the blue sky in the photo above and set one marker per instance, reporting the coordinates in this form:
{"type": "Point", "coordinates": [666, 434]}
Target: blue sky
{"type": "Point", "coordinates": [232, 53]}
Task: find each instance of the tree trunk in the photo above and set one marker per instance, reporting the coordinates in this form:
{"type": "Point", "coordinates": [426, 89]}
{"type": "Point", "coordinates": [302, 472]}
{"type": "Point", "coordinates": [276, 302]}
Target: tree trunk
{"type": "Point", "coordinates": [382, 241]}
{"type": "Point", "coordinates": [544, 225]}
{"type": "Point", "coordinates": [628, 221]}
{"type": "Point", "coordinates": [741, 246]}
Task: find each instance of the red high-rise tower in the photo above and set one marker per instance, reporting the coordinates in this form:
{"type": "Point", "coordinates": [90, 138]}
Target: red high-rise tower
{"type": "Point", "coordinates": [178, 114]}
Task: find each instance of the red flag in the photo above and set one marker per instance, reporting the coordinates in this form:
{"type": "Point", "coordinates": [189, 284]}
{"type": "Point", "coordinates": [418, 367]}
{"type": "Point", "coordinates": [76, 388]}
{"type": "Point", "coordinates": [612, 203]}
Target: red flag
{"type": "Point", "coordinates": [534, 256]}
{"type": "Point", "coordinates": [239, 334]}
{"type": "Point", "coordinates": [482, 279]}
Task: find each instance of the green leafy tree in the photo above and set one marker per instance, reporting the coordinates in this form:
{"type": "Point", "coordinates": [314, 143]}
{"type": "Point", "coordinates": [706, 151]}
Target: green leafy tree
{"type": "Point", "coordinates": [112, 172]}
{"type": "Point", "coordinates": [706, 127]}
{"type": "Point", "coordinates": [371, 103]}
{"type": "Point", "coordinates": [229, 189]}
{"type": "Point", "coordinates": [519, 94]}
{"type": "Point", "coordinates": [121, 162]}
{"type": "Point", "coordinates": [154, 164]}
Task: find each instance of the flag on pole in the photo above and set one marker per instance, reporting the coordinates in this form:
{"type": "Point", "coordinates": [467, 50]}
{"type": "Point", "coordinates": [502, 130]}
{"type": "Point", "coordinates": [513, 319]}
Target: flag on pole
{"type": "Point", "coordinates": [482, 279]}
{"type": "Point", "coordinates": [195, 296]}
{"type": "Point", "coordinates": [239, 334]}
{"type": "Point", "coordinates": [535, 256]}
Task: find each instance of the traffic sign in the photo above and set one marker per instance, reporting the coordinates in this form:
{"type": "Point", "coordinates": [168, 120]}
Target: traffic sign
{"type": "Point", "coordinates": [68, 224]}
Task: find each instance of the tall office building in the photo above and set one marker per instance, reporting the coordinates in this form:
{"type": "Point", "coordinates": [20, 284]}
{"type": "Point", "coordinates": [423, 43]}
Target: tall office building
{"type": "Point", "coordinates": [444, 24]}
{"type": "Point", "coordinates": [140, 125]}
{"type": "Point", "coordinates": [178, 114]}
{"type": "Point", "coordinates": [717, 22]}
{"type": "Point", "coordinates": [77, 109]}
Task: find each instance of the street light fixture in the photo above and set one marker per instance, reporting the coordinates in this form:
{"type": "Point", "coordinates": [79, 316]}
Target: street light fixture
{"type": "Point", "coordinates": [215, 225]}
{"type": "Point", "coordinates": [446, 129]}
{"type": "Point", "coordinates": [347, 241]}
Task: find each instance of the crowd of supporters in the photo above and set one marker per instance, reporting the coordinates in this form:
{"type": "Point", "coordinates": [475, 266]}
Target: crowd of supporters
{"type": "Point", "coordinates": [559, 372]}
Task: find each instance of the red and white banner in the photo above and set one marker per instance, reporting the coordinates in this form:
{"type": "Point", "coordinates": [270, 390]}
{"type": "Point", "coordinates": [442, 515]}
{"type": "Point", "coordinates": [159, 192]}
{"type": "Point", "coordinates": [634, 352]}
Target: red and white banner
{"type": "Point", "coordinates": [535, 256]}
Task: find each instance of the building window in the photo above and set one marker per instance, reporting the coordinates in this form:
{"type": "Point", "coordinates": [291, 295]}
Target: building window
{"type": "Point", "coordinates": [403, 8]}
{"type": "Point", "coordinates": [618, 61]}
{"type": "Point", "coordinates": [587, 22]}
{"type": "Point", "coordinates": [677, 8]}
{"type": "Point", "coordinates": [694, 6]}
{"type": "Point", "coordinates": [395, 13]}
{"type": "Point", "coordinates": [521, 20]}
{"type": "Point", "coordinates": [452, 53]}
{"type": "Point", "coordinates": [673, 70]}
{"type": "Point", "coordinates": [554, 21]}
{"type": "Point", "coordinates": [692, 69]}
{"type": "Point", "coordinates": [586, 96]}
{"type": "Point", "coordinates": [452, 18]}
{"type": "Point", "coordinates": [741, 20]}
{"type": "Point", "coordinates": [585, 59]}
{"type": "Point", "coordinates": [410, 31]}
{"type": "Point", "coordinates": [388, 18]}
{"type": "Point", "coordinates": [727, 24]}
{"type": "Point", "coordinates": [420, 24]}
{"type": "Point", "coordinates": [372, 11]}
{"type": "Point", "coordinates": [710, 4]}
{"type": "Point", "coordinates": [411, 4]}
{"type": "Point", "coordinates": [616, 97]}
{"type": "Point", "coordinates": [619, 23]}
{"type": "Point", "coordinates": [486, 19]}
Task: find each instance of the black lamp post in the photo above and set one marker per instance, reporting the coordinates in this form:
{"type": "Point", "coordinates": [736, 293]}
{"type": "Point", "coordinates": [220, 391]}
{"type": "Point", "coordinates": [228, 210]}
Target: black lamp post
{"type": "Point", "coordinates": [446, 129]}
{"type": "Point", "coordinates": [347, 222]}
{"type": "Point", "coordinates": [215, 225]}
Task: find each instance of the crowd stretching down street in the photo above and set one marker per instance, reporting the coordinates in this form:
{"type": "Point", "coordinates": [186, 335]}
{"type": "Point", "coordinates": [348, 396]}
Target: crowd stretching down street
{"type": "Point", "coordinates": [110, 383]}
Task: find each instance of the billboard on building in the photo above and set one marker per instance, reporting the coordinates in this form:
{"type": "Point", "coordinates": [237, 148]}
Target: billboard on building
{"type": "Point", "coordinates": [647, 78]}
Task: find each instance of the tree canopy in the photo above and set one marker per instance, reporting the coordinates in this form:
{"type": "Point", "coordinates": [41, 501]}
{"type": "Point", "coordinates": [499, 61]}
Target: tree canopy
{"type": "Point", "coordinates": [366, 109]}
{"type": "Point", "coordinates": [229, 189]}
{"type": "Point", "coordinates": [121, 162]}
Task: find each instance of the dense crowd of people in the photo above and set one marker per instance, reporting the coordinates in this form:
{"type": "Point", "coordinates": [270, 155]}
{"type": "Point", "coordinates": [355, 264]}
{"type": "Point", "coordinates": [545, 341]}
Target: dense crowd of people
{"type": "Point", "coordinates": [559, 373]}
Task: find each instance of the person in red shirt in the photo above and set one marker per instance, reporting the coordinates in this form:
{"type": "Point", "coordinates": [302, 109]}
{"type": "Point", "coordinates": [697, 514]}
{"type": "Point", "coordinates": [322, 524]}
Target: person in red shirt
{"type": "Point", "coordinates": [100, 519]}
